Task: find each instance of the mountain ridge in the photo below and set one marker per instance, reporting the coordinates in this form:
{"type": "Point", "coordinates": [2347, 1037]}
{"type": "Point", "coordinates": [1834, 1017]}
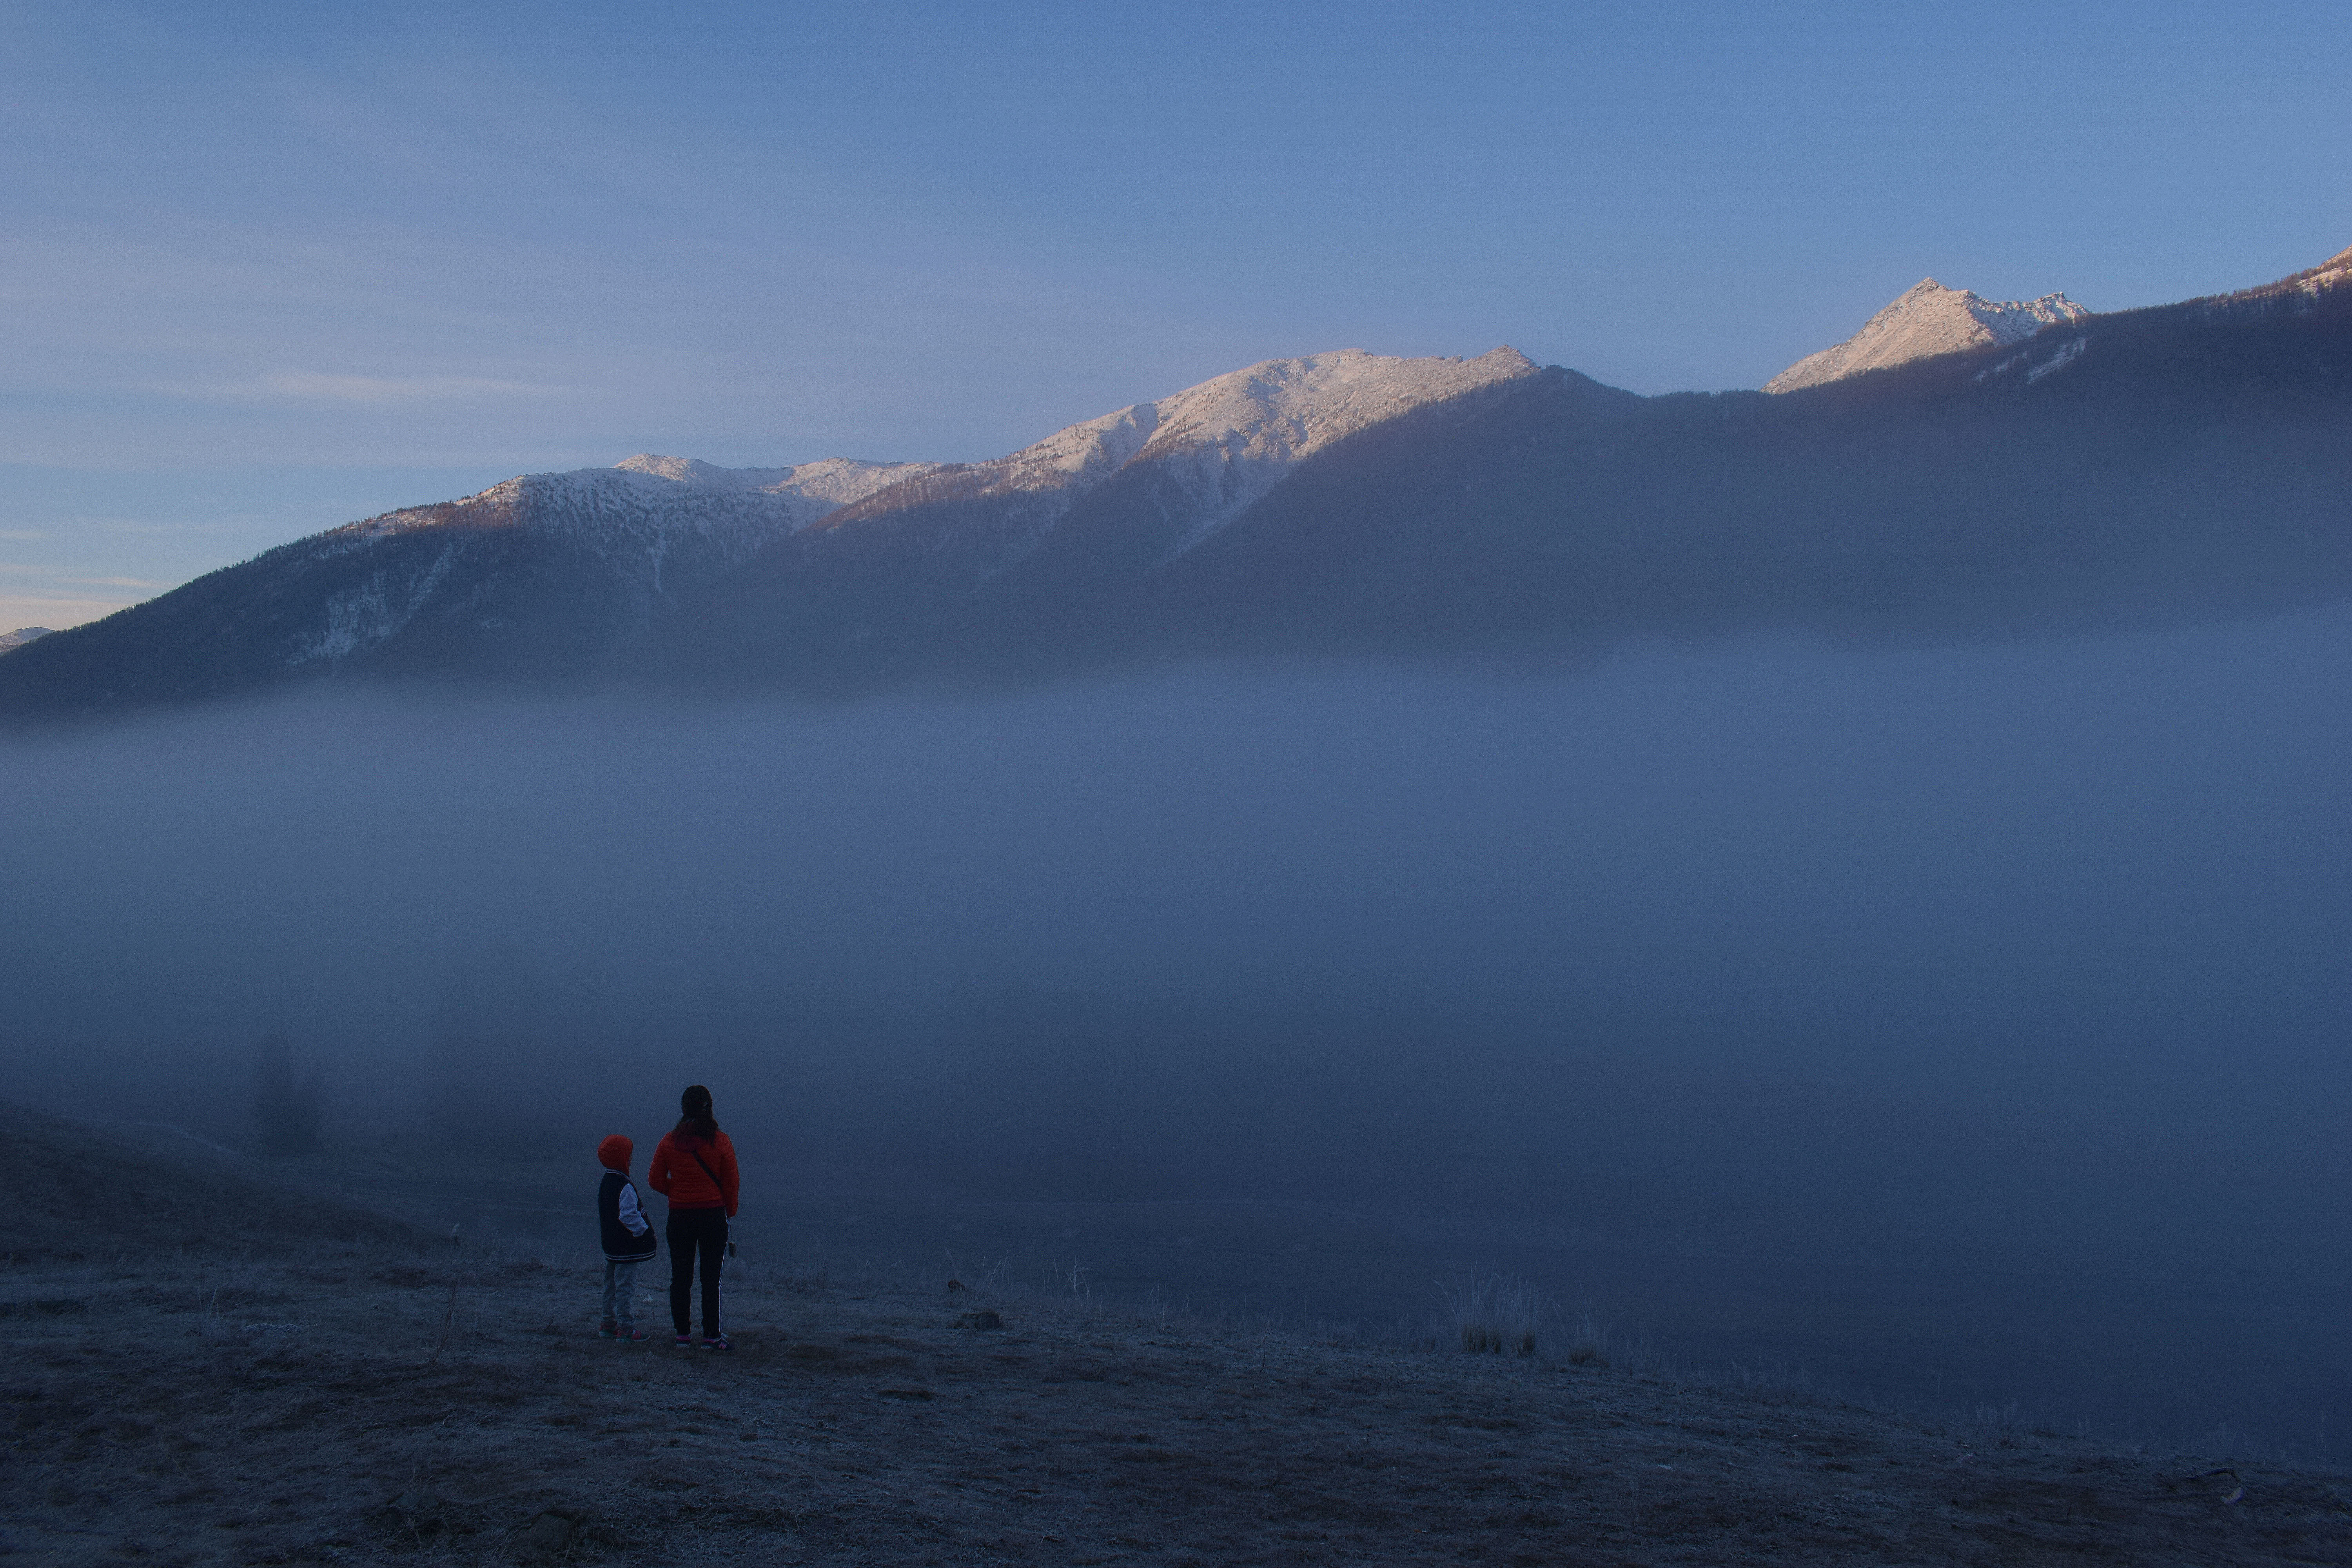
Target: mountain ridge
{"type": "Point", "coordinates": [1241, 431]}
{"type": "Point", "coordinates": [2178, 460]}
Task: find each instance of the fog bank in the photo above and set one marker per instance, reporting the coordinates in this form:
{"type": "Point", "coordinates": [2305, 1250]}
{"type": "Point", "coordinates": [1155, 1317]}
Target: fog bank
{"type": "Point", "coordinates": [2012, 953]}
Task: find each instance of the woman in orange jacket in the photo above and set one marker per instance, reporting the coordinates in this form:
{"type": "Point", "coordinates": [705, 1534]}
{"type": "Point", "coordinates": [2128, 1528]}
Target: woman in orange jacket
{"type": "Point", "coordinates": [694, 1168]}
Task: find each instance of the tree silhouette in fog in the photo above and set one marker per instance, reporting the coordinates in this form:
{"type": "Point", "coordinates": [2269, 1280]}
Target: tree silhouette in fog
{"type": "Point", "coordinates": [285, 1112]}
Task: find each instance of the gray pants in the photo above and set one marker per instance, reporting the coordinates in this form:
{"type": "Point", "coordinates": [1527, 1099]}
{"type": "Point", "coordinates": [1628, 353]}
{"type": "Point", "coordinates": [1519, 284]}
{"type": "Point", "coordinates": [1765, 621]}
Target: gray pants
{"type": "Point", "coordinates": [621, 1293]}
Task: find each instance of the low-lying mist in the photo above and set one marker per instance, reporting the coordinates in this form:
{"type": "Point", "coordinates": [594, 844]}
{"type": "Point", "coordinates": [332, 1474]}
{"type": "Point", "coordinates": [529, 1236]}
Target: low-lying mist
{"type": "Point", "coordinates": [2002, 953]}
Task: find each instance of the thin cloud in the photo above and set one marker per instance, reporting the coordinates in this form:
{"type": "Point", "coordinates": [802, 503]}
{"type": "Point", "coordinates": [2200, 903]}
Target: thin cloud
{"type": "Point", "coordinates": [57, 576]}
{"type": "Point", "coordinates": [318, 386]}
{"type": "Point", "coordinates": [52, 611]}
{"type": "Point", "coordinates": [328, 387]}
{"type": "Point", "coordinates": [238, 524]}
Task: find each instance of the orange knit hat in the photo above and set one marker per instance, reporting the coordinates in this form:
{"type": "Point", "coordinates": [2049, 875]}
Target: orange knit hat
{"type": "Point", "coordinates": [614, 1153]}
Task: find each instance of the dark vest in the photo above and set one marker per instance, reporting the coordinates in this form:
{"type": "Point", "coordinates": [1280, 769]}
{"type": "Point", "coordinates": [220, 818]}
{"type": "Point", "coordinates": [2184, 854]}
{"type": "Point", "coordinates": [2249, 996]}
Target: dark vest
{"type": "Point", "coordinates": [619, 1245]}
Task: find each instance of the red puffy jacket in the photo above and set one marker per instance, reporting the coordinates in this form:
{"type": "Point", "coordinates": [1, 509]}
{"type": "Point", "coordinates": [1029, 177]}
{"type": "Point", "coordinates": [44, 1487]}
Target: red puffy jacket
{"type": "Point", "coordinates": [676, 1176]}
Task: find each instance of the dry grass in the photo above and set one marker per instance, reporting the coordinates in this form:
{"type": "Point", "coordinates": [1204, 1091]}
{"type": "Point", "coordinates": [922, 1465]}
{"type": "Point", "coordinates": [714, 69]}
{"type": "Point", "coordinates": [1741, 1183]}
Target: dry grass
{"type": "Point", "coordinates": [1490, 1313]}
{"type": "Point", "coordinates": [385, 1400]}
{"type": "Point", "coordinates": [261, 1409]}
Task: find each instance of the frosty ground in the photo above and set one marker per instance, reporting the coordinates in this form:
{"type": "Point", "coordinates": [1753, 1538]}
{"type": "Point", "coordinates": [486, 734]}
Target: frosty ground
{"type": "Point", "coordinates": [310, 1382]}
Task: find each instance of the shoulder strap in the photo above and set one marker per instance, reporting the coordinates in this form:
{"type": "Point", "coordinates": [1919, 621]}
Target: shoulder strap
{"type": "Point", "coordinates": [716, 1186]}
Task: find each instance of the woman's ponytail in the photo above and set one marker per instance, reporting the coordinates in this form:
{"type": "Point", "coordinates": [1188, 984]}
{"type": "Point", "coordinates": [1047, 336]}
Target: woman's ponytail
{"type": "Point", "coordinates": [697, 1120]}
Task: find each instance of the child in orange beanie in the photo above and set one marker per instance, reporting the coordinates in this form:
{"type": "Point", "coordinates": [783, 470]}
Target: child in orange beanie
{"type": "Point", "coordinates": [629, 1238]}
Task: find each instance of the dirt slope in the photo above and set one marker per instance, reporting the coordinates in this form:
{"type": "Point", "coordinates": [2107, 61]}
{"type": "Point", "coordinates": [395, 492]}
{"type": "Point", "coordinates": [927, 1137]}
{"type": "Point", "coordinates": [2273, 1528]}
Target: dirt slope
{"type": "Point", "coordinates": [70, 1190]}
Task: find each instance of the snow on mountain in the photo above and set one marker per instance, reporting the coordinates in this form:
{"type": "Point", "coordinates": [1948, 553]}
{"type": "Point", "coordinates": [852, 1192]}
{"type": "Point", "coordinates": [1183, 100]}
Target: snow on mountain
{"type": "Point", "coordinates": [21, 636]}
{"type": "Point", "coordinates": [1924, 321]}
{"type": "Point", "coordinates": [652, 525]}
{"type": "Point", "coordinates": [1225, 442]}
{"type": "Point", "coordinates": [649, 494]}
{"type": "Point", "coordinates": [1266, 419]}
{"type": "Point", "coordinates": [818, 487]}
{"type": "Point", "coordinates": [2300, 293]}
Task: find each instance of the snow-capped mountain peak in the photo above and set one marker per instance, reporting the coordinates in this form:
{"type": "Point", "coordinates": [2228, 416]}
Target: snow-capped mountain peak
{"type": "Point", "coordinates": [651, 495]}
{"type": "Point", "coordinates": [1225, 442]}
{"type": "Point", "coordinates": [1927, 320]}
{"type": "Point", "coordinates": [1276, 413]}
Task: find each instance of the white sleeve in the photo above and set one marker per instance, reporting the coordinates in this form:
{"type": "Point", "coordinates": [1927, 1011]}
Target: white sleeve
{"type": "Point", "coordinates": [632, 1219]}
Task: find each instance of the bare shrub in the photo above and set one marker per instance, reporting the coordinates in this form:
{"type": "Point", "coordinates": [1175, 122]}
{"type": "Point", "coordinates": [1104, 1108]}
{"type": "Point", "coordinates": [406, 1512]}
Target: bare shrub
{"type": "Point", "coordinates": [1587, 1338]}
{"type": "Point", "coordinates": [1491, 1314]}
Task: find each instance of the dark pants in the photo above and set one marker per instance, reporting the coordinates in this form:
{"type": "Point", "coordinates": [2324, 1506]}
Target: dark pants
{"type": "Point", "coordinates": [692, 1231]}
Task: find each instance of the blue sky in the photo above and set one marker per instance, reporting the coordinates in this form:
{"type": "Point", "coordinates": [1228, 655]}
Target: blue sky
{"type": "Point", "coordinates": [269, 268]}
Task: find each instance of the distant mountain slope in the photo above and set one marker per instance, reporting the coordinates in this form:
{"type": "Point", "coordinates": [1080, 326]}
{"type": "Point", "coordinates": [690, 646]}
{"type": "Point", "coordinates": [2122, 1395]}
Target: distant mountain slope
{"type": "Point", "coordinates": [2188, 462]}
{"type": "Point", "coordinates": [535, 580]}
{"type": "Point", "coordinates": [1927, 320]}
{"type": "Point", "coordinates": [21, 636]}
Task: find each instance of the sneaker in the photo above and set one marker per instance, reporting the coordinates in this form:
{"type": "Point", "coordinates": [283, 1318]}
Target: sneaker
{"type": "Point", "coordinates": [685, 1341]}
{"type": "Point", "coordinates": [632, 1336]}
{"type": "Point", "coordinates": [720, 1343]}
{"type": "Point", "coordinates": [607, 1329]}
